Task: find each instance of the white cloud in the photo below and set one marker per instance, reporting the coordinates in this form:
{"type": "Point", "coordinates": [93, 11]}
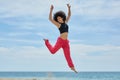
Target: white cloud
{"type": "Point", "coordinates": [97, 8]}
{"type": "Point", "coordinates": [80, 53]}
{"type": "Point", "coordinates": [95, 57]}
{"type": "Point", "coordinates": [78, 49]}
{"type": "Point", "coordinates": [94, 28]}
{"type": "Point", "coordinates": [24, 7]}
{"type": "Point", "coordinates": [24, 52]}
{"type": "Point", "coordinates": [4, 50]}
{"type": "Point", "coordinates": [21, 40]}
{"type": "Point", "coordinates": [19, 34]}
{"type": "Point", "coordinates": [81, 49]}
{"type": "Point", "coordinates": [36, 8]}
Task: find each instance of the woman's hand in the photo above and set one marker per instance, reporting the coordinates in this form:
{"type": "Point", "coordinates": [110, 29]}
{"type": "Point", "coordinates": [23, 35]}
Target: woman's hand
{"type": "Point", "coordinates": [68, 5]}
{"type": "Point", "coordinates": [51, 8]}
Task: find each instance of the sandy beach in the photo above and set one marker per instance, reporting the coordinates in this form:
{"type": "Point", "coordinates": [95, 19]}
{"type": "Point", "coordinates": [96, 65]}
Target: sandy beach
{"type": "Point", "coordinates": [25, 79]}
{"type": "Point", "coordinates": [44, 78]}
{"type": "Point", "coordinates": [19, 79]}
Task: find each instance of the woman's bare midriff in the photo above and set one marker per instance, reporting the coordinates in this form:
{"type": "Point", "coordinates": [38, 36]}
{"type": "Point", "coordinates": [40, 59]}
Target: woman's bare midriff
{"type": "Point", "coordinates": [64, 35]}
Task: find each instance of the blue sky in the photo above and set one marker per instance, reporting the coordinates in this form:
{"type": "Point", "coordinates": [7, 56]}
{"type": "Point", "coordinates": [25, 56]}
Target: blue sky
{"type": "Point", "coordinates": [94, 35]}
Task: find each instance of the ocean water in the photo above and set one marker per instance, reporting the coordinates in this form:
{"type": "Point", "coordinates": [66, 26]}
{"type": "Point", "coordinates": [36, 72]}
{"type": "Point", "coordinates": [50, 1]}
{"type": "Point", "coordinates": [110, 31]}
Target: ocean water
{"type": "Point", "coordinates": [63, 75]}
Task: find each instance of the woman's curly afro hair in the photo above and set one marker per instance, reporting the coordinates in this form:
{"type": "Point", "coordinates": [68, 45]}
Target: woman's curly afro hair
{"type": "Point", "coordinates": [61, 14]}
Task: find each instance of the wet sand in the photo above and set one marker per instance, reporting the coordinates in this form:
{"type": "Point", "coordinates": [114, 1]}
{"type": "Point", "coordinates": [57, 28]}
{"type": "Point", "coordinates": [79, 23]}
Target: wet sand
{"type": "Point", "coordinates": [27, 79]}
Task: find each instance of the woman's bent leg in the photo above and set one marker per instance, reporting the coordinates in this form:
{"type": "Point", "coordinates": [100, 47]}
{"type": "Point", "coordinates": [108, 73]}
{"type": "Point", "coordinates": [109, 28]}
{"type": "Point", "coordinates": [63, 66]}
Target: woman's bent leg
{"type": "Point", "coordinates": [54, 49]}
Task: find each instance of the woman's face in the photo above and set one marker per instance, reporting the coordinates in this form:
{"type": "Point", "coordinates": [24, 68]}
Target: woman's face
{"type": "Point", "coordinates": [60, 19]}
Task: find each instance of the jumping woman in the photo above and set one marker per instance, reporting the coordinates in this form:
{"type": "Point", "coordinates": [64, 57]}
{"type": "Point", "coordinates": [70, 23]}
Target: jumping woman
{"type": "Point", "coordinates": [60, 21]}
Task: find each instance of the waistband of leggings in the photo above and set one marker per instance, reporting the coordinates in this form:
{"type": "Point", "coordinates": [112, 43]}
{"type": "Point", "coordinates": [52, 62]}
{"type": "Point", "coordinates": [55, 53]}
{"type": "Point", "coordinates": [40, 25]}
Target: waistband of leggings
{"type": "Point", "coordinates": [63, 39]}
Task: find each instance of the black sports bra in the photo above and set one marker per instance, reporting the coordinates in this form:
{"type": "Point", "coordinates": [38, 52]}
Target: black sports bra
{"type": "Point", "coordinates": [63, 28]}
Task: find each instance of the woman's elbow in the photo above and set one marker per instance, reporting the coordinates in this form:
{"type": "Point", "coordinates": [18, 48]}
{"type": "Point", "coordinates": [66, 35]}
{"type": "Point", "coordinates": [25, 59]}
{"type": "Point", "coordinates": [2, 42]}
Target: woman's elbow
{"type": "Point", "coordinates": [50, 19]}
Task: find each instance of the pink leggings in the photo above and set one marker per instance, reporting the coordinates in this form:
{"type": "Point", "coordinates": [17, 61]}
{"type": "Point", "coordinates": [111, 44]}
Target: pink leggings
{"type": "Point", "coordinates": [64, 44]}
